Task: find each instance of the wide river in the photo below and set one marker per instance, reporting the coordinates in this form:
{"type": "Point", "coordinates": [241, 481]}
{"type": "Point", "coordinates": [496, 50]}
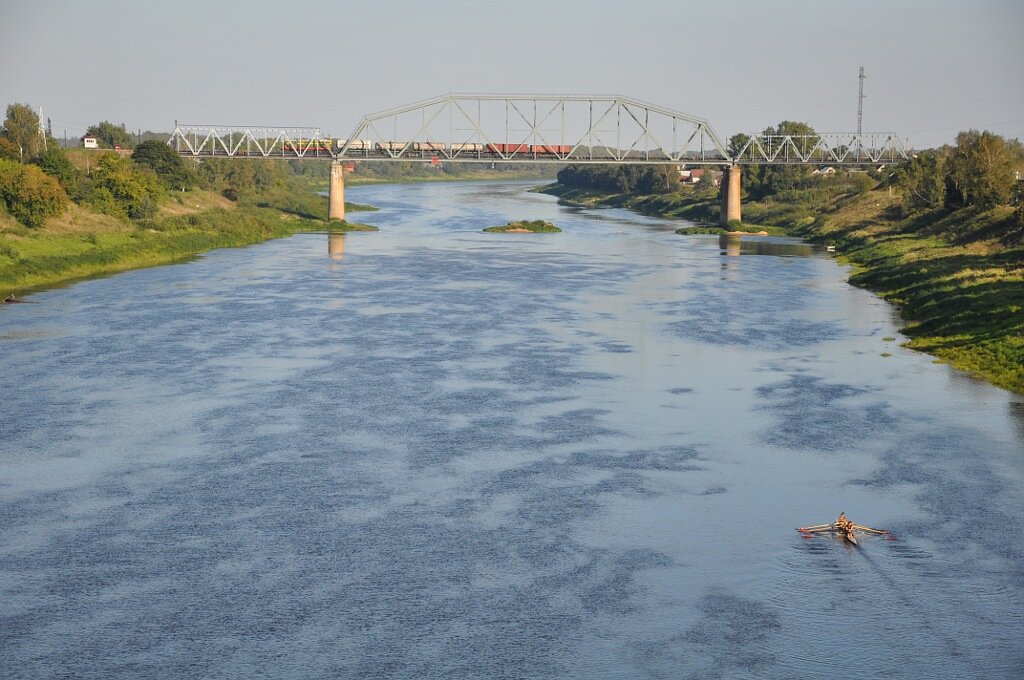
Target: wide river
{"type": "Point", "coordinates": [431, 452]}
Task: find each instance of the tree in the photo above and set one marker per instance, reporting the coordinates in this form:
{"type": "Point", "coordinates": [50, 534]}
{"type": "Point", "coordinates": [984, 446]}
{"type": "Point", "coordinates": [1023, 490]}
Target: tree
{"type": "Point", "coordinates": [736, 143]}
{"type": "Point", "coordinates": [122, 189]}
{"type": "Point", "coordinates": [766, 180]}
{"type": "Point", "coordinates": [9, 150]}
{"type": "Point", "coordinates": [30, 195]}
{"type": "Point", "coordinates": [109, 135]}
{"type": "Point", "coordinates": [21, 127]}
{"type": "Point", "coordinates": [981, 170]}
{"type": "Point", "coordinates": [923, 180]}
{"type": "Point", "coordinates": [55, 163]}
{"type": "Point", "coordinates": [165, 162]}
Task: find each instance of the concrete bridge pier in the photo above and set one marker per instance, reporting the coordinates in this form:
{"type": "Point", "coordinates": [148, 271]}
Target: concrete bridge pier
{"type": "Point", "coordinates": [336, 195]}
{"type": "Point", "coordinates": [730, 195]}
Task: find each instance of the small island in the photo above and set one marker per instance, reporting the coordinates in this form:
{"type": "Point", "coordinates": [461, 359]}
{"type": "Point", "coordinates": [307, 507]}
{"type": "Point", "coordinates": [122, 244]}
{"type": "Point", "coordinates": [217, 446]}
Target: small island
{"type": "Point", "coordinates": [525, 227]}
{"type": "Point", "coordinates": [341, 226]}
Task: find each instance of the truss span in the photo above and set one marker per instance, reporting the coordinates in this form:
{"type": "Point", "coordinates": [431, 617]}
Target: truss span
{"type": "Point", "coordinates": [212, 141]}
{"type": "Point", "coordinates": [824, 149]}
{"type": "Point", "coordinates": [581, 129]}
{"type": "Point", "coordinates": [535, 128]}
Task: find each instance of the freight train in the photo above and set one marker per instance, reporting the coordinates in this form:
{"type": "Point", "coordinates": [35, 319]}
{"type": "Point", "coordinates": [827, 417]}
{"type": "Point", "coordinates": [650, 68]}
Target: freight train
{"type": "Point", "coordinates": [457, 148]}
{"type": "Point", "coordinates": [366, 148]}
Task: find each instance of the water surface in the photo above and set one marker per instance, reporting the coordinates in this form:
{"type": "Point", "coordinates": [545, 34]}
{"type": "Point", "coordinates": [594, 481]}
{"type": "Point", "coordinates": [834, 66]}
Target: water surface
{"type": "Point", "coordinates": [433, 452]}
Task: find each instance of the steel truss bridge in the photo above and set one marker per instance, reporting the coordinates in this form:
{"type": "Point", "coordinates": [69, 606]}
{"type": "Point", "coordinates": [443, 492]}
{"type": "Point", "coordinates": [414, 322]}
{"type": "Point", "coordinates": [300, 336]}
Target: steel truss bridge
{"type": "Point", "coordinates": [498, 128]}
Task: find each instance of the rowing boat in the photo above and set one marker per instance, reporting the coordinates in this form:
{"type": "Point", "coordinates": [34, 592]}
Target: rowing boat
{"type": "Point", "coordinates": [848, 534]}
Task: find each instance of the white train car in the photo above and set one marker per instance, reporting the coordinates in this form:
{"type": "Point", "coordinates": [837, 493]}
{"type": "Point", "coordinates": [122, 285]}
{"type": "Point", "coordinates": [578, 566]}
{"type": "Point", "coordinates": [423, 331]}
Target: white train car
{"type": "Point", "coordinates": [356, 145]}
{"type": "Point", "coordinates": [431, 147]}
{"type": "Point", "coordinates": [390, 146]}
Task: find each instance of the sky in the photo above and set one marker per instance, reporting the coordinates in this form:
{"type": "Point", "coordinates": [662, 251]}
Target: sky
{"type": "Point", "coordinates": [933, 67]}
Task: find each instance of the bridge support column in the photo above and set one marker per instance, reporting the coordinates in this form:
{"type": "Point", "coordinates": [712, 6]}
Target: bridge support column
{"type": "Point", "coordinates": [730, 194]}
{"type": "Point", "coordinates": [336, 195]}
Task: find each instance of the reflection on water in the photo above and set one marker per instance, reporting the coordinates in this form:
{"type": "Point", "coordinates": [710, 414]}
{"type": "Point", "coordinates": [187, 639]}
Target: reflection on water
{"type": "Point", "coordinates": [336, 245]}
{"type": "Point", "coordinates": [580, 457]}
{"type": "Point", "coordinates": [733, 246]}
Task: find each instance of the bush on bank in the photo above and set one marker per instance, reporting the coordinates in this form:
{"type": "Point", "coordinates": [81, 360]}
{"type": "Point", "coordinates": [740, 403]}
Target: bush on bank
{"type": "Point", "coordinates": [29, 195]}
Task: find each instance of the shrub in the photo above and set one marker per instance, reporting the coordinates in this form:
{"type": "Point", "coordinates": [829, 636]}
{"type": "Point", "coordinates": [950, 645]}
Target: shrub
{"type": "Point", "coordinates": [123, 189]}
{"type": "Point", "coordinates": [30, 195]}
{"type": "Point", "coordinates": [165, 162]}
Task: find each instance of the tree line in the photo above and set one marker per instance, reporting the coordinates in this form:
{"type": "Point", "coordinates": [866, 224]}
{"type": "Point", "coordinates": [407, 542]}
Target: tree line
{"type": "Point", "coordinates": [979, 170]}
{"type": "Point", "coordinates": [38, 178]}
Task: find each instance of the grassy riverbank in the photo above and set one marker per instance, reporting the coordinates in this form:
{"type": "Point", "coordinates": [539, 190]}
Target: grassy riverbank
{"type": "Point", "coordinates": [957, 277]}
{"type": "Point", "coordinates": [83, 243]}
{"type": "Point", "coordinates": [701, 210]}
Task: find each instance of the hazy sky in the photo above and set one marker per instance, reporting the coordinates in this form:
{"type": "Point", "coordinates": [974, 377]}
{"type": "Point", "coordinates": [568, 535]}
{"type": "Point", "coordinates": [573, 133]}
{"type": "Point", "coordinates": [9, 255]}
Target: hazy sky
{"type": "Point", "coordinates": [934, 67]}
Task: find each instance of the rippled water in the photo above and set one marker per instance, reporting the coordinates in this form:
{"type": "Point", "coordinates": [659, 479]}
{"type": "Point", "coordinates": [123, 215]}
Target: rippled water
{"type": "Point", "coordinates": [431, 452]}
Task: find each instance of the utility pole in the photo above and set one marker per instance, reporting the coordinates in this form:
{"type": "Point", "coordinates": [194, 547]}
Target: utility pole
{"type": "Point", "coordinates": [42, 128]}
{"type": "Point", "coordinates": [860, 103]}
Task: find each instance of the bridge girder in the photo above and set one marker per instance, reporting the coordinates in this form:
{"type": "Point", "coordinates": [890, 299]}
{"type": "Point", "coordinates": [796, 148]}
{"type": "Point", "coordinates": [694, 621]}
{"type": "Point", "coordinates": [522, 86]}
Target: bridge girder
{"type": "Point", "coordinates": [831, 148]}
{"type": "Point", "coordinates": [536, 128]}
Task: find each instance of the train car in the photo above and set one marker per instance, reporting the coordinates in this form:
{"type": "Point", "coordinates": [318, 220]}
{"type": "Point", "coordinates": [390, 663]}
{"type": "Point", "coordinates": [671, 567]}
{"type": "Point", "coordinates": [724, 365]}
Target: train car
{"type": "Point", "coordinates": [470, 147]}
{"type": "Point", "coordinates": [551, 149]}
{"type": "Point", "coordinates": [390, 146]}
{"type": "Point", "coordinates": [430, 147]}
{"type": "Point", "coordinates": [307, 146]}
{"type": "Point", "coordinates": [356, 145]}
{"type": "Point", "coordinates": [506, 149]}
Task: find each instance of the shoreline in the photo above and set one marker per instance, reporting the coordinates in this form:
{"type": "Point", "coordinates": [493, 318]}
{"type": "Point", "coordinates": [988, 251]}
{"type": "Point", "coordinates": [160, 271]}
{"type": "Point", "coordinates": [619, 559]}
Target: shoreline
{"type": "Point", "coordinates": [956, 299]}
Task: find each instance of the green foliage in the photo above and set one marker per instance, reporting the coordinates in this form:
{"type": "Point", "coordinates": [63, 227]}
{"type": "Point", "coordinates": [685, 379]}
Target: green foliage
{"type": "Point", "coordinates": [110, 136]}
{"type": "Point", "coordinates": [861, 182]}
{"type": "Point", "coordinates": [923, 180]}
{"type": "Point", "coordinates": [21, 128]}
{"type": "Point", "coordinates": [533, 226]}
{"type": "Point", "coordinates": [55, 163]}
{"type": "Point", "coordinates": [9, 151]}
{"type": "Point", "coordinates": [977, 173]}
{"type": "Point", "coordinates": [643, 179]}
{"type": "Point", "coordinates": [124, 190]}
{"type": "Point", "coordinates": [30, 195]}
{"type": "Point", "coordinates": [761, 181]}
{"type": "Point", "coordinates": [706, 186]}
{"type": "Point", "coordinates": [980, 170]}
{"type": "Point", "coordinates": [242, 176]}
{"type": "Point", "coordinates": [737, 142]}
{"type": "Point", "coordinates": [165, 162]}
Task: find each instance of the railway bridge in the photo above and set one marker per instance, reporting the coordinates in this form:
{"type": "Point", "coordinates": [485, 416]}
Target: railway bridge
{"type": "Point", "coordinates": [529, 128]}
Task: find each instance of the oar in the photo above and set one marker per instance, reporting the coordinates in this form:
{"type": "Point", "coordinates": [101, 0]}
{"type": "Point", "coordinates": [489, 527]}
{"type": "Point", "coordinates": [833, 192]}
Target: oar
{"type": "Point", "coordinates": [814, 530]}
{"type": "Point", "coordinates": [815, 527]}
{"type": "Point", "coordinates": [869, 529]}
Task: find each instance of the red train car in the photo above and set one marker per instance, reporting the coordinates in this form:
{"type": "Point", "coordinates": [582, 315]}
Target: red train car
{"type": "Point", "coordinates": [506, 149]}
{"type": "Point", "coordinates": [558, 149]}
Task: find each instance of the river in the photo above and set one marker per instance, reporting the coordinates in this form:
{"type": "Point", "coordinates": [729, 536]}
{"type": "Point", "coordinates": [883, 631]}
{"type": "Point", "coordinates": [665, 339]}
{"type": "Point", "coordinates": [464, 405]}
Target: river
{"type": "Point", "coordinates": [430, 452]}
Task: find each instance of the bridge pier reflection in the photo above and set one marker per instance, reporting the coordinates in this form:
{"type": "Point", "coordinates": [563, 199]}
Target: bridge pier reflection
{"type": "Point", "coordinates": [731, 246]}
{"type": "Point", "coordinates": [336, 195]}
{"type": "Point", "coordinates": [336, 246]}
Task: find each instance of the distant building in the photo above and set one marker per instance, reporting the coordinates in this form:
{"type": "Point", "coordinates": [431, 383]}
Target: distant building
{"type": "Point", "coordinates": [90, 142]}
{"type": "Point", "coordinates": [824, 171]}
